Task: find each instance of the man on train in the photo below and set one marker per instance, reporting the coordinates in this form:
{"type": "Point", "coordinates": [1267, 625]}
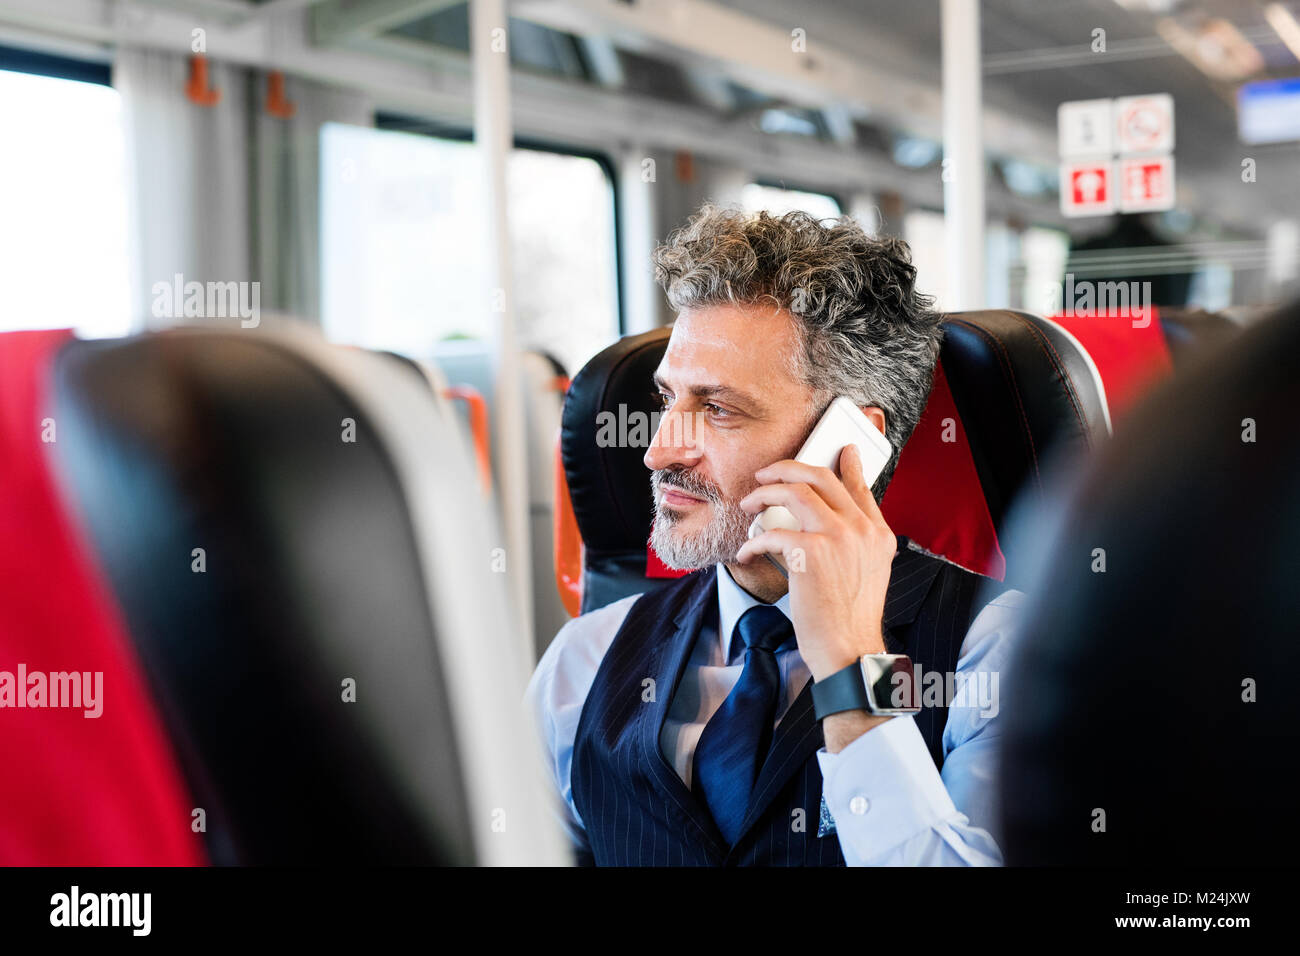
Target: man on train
{"type": "Point", "coordinates": [726, 718]}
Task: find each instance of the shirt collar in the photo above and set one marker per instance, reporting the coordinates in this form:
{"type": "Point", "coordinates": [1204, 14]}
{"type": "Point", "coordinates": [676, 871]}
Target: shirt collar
{"type": "Point", "coordinates": [733, 601]}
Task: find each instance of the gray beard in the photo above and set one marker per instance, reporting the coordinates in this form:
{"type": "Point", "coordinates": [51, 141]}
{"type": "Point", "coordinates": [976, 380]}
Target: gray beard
{"type": "Point", "coordinates": [724, 535]}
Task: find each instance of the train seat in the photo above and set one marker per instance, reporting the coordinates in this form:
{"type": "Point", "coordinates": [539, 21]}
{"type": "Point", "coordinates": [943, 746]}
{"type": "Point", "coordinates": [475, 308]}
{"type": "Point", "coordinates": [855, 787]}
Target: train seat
{"type": "Point", "coordinates": [1137, 350]}
{"type": "Point", "coordinates": [1154, 716]}
{"type": "Point", "coordinates": [306, 592]}
{"type": "Point", "coordinates": [76, 790]}
{"type": "Point", "coordinates": [543, 380]}
{"type": "Point", "coordinates": [1010, 388]}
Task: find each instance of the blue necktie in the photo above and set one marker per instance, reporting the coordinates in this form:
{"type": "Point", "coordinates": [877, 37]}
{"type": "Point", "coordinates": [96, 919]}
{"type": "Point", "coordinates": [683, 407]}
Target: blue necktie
{"type": "Point", "coordinates": [736, 739]}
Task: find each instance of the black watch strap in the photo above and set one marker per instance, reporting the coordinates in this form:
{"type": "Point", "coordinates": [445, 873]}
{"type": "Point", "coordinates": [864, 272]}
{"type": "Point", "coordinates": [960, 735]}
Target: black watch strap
{"type": "Point", "coordinates": [843, 690]}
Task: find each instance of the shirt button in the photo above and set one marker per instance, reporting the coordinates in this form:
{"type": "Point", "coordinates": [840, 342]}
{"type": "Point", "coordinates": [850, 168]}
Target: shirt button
{"type": "Point", "coordinates": [859, 805]}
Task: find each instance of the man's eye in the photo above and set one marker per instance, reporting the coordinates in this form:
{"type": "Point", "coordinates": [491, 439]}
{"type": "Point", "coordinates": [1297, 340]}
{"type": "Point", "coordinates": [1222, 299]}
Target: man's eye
{"type": "Point", "coordinates": [716, 410]}
{"type": "Point", "coordinates": [664, 399]}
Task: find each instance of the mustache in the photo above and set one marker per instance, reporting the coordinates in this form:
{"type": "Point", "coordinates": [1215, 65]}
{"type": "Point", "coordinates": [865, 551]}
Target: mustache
{"type": "Point", "coordinates": [687, 481]}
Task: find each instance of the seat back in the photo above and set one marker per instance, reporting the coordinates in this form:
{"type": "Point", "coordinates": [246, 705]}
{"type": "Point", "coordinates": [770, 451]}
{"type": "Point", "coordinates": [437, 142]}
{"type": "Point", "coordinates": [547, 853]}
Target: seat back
{"type": "Point", "coordinates": [79, 788]}
{"type": "Point", "coordinates": [300, 552]}
{"type": "Point", "coordinates": [608, 485]}
{"type": "Point", "coordinates": [1010, 391]}
{"type": "Point", "coordinates": [1136, 349]}
{"type": "Point", "coordinates": [544, 382]}
{"type": "Point", "coordinates": [1153, 676]}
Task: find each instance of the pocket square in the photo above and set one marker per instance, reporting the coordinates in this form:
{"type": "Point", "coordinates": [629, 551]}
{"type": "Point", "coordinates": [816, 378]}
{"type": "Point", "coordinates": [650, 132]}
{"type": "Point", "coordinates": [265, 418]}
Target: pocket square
{"type": "Point", "coordinates": [825, 822]}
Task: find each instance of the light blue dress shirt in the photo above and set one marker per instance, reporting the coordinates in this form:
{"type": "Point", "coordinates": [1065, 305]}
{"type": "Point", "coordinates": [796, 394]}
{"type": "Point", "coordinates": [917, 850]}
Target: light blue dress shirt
{"type": "Point", "coordinates": [888, 803]}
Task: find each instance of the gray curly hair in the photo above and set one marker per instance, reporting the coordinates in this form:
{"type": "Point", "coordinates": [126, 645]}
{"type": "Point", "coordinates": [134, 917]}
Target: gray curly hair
{"type": "Point", "coordinates": [867, 332]}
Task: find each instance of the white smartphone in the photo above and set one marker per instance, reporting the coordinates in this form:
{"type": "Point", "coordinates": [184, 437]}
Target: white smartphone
{"type": "Point", "coordinates": [842, 424]}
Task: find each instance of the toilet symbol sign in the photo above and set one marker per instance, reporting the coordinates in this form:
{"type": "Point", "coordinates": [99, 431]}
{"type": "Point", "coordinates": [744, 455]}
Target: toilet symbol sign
{"type": "Point", "coordinates": [1146, 184]}
{"type": "Point", "coordinates": [1087, 188]}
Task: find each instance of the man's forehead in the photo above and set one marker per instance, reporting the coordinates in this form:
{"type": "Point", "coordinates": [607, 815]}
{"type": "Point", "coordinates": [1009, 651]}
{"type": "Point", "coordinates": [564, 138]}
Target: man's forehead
{"type": "Point", "coordinates": [746, 344]}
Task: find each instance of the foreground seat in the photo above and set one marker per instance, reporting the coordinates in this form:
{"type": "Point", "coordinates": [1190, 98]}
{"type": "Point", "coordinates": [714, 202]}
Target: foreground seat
{"type": "Point", "coordinates": [300, 554]}
{"type": "Point", "coordinates": [1155, 715]}
{"type": "Point", "coordinates": [76, 790]}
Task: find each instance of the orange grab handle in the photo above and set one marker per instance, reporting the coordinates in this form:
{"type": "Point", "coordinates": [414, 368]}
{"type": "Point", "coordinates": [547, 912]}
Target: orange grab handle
{"type": "Point", "coordinates": [277, 103]}
{"type": "Point", "coordinates": [478, 426]}
{"type": "Point", "coordinates": [198, 89]}
{"type": "Point", "coordinates": [568, 542]}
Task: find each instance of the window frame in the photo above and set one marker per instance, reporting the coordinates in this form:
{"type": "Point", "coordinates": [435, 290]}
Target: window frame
{"type": "Point", "coordinates": [435, 129]}
{"type": "Point", "coordinates": [20, 60]}
{"type": "Point", "coordinates": [772, 183]}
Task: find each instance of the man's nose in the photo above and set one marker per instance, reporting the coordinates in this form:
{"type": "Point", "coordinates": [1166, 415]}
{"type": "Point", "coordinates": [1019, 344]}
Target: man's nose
{"type": "Point", "coordinates": [674, 442]}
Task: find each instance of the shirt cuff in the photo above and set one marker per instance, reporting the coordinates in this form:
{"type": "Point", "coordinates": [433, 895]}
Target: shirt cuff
{"type": "Point", "coordinates": [883, 789]}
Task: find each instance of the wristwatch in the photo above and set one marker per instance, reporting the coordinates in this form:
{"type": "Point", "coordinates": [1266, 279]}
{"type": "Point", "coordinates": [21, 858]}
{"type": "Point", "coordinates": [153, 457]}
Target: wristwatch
{"type": "Point", "coordinates": [878, 683]}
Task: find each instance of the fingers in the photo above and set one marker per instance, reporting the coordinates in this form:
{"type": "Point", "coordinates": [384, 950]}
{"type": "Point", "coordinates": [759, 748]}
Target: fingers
{"type": "Point", "coordinates": [847, 491]}
{"type": "Point", "coordinates": [781, 542]}
{"type": "Point", "coordinates": [828, 487]}
{"type": "Point", "coordinates": [855, 481]}
{"type": "Point", "coordinates": [812, 513]}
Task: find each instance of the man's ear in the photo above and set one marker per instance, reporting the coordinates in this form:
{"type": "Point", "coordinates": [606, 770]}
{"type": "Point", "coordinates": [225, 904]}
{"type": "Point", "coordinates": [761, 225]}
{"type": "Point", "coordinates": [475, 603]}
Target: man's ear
{"type": "Point", "coordinates": [876, 414]}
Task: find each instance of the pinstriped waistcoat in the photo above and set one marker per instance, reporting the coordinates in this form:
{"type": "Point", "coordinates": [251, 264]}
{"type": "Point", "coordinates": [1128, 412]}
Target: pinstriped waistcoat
{"type": "Point", "coordinates": [638, 812]}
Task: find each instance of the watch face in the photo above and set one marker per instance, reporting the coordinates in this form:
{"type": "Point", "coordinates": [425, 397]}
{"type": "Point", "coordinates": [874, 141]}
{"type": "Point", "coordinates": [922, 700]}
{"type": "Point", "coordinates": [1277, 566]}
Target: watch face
{"type": "Point", "coordinates": [890, 682]}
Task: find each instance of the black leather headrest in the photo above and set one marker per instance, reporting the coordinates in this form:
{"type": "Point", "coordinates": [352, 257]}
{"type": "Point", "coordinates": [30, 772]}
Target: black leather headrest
{"type": "Point", "coordinates": [1022, 386]}
{"type": "Point", "coordinates": [1024, 390]}
{"type": "Point", "coordinates": [609, 485]}
{"type": "Point", "coordinates": [310, 576]}
{"type": "Point", "coordinates": [1151, 716]}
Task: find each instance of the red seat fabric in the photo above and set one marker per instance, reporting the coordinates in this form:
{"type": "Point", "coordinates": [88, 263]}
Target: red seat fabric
{"type": "Point", "coordinates": [74, 790]}
{"type": "Point", "coordinates": [1130, 352]}
{"type": "Point", "coordinates": [655, 567]}
{"type": "Point", "coordinates": [935, 498]}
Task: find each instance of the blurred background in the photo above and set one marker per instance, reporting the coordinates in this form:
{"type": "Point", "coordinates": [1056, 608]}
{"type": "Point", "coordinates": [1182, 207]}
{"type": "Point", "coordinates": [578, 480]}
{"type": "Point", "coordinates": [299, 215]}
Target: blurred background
{"type": "Point", "coordinates": [326, 150]}
{"type": "Point", "coordinates": [464, 197]}
{"type": "Point", "coordinates": [355, 197]}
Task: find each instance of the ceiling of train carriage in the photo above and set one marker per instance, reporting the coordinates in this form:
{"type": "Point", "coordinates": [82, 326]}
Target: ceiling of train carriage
{"type": "Point", "coordinates": [1039, 54]}
{"type": "Point", "coordinates": [871, 85]}
{"type": "Point", "coordinates": [879, 92]}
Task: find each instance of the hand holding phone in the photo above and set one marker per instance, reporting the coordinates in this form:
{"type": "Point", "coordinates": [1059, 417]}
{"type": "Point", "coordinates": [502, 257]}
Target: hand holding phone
{"type": "Point", "coordinates": [843, 423]}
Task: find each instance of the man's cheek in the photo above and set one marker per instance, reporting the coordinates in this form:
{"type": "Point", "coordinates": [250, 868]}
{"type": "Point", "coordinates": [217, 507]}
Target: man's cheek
{"type": "Point", "coordinates": [739, 491]}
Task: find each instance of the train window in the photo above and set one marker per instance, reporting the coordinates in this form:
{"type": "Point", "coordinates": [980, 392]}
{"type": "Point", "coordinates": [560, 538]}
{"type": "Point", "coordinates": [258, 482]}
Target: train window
{"type": "Point", "coordinates": [1025, 268]}
{"type": "Point", "coordinates": [778, 199]}
{"type": "Point", "coordinates": [64, 246]}
{"type": "Point", "coordinates": [404, 245]}
{"type": "Point", "coordinates": [1043, 254]}
{"type": "Point", "coordinates": [924, 231]}
{"type": "Point", "coordinates": [564, 249]}
{"type": "Point", "coordinates": [1211, 287]}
